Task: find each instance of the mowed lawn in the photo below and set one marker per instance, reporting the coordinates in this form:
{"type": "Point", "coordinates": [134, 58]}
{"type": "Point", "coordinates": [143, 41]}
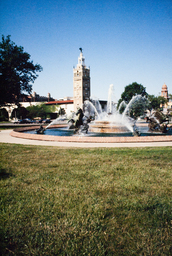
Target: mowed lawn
{"type": "Point", "coordinates": [58, 201]}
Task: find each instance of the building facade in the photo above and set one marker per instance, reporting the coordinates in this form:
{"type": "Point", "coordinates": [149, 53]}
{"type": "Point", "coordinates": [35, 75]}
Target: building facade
{"type": "Point", "coordinates": [81, 82]}
{"type": "Point", "coordinates": [66, 104]}
{"type": "Point", "coordinates": [164, 91]}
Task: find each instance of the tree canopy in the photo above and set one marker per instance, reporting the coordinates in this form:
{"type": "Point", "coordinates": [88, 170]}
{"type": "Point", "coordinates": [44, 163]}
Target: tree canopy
{"type": "Point", "coordinates": [170, 96]}
{"type": "Point", "coordinates": [17, 71]}
{"type": "Point", "coordinates": [42, 111]}
{"type": "Point", "coordinates": [155, 102]}
{"type": "Point", "coordinates": [132, 90]}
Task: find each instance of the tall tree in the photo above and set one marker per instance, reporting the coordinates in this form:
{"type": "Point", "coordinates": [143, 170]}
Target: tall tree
{"type": "Point", "coordinates": [17, 71]}
{"type": "Point", "coordinates": [132, 90]}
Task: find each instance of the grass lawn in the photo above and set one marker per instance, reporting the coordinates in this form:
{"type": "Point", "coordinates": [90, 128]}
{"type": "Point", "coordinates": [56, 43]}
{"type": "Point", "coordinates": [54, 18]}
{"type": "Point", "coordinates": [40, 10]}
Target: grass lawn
{"type": "Point", "coordinates": [58, 201]}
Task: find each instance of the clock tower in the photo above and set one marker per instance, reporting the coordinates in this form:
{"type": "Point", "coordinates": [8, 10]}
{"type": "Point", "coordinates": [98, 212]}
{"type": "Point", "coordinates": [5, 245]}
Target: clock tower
{"type": "Point", "coordinates": [164, 91]}
{"type": "Point", "coordinates": [81, 82]}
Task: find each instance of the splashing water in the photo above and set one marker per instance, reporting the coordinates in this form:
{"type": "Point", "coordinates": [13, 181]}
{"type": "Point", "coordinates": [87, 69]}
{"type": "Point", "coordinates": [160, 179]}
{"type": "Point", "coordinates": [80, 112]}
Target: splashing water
{"type": "Point", "coordinates": [97, 105]}
{"type": "Point", "coordinates": [136, 102]}
{"type": "Point", "coordinates": [122, 106]}
{"type": "Point", "coordinates": [89, 109]}
{"type": "Point", "coordinates": [111, 116]}
{"type": "Point", "coordinates": [57, 121]}
{"type": "Point", "coordinates": [110, 101]}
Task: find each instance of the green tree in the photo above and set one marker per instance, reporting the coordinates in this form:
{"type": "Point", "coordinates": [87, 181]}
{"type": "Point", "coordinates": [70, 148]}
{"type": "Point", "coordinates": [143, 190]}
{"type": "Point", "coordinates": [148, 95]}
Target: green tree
{"type": "Point", "coordinates": [130, 91]}
{"type": "Point", "coordinates": [155, 102]}
{"type": "Point", "coordinates": [17, 72]}
{"type": "Point", "coordinates": [170, 96]}
{"type": "Point", "coordinates": [137, 107]}
{"type": "Point", "coordinates": [62, 111]}
{"type": "Point", "coordinates": [42, 111]}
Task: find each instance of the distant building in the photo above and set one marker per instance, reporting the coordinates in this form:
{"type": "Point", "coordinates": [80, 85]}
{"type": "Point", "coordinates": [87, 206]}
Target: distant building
{"type": "Point", "coordinates": [164, 93]}
{"type": "Point", "coordinates": [26, 101]}
{"type": "Point", "coordinates": [81, 82]}
{"type": "Point", "coordinates": [34, 99]}
{"type": "Point", "coordinates": [37, 98]}
{"type": "Point", "coordinates": [65, 103]}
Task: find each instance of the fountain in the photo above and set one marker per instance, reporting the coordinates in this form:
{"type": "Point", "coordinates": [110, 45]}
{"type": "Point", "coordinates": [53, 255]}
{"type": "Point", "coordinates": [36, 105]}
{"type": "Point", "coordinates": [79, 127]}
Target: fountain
{"type": "Point", "coordinates": [112, 121]}
{"type": "Point", "coordinates": [91, 121]}
{"type": "Point", "coordinates": [99, 122]}
{"type": "Point", "coordinates": [110, 99]}
{"type": "Point", "coordinates": [92, 125]}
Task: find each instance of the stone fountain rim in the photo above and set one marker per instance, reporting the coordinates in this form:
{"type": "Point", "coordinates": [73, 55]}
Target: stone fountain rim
{"type": "Point", "coordinates": [19, 133]}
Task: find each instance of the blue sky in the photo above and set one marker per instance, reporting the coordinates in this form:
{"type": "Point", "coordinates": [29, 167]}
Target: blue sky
{"type": "Point", "coordinates": [123, 41]}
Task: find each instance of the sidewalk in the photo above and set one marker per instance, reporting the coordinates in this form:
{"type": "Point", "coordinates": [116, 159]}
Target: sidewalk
{"type": "Point", "coordinates": [6, 138]}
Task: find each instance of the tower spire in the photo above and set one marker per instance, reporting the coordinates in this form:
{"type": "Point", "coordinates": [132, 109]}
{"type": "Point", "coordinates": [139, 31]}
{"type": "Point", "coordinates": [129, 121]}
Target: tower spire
{"type": "Point", "coordinates": [81, 82]}
{"type": "Point", "coordinates": [81, 59]}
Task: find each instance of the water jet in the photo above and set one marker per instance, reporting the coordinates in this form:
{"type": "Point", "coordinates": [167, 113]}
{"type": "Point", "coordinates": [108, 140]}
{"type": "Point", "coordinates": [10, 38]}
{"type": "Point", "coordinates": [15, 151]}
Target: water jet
{"type": "Point", "coordinates": [91, 121]}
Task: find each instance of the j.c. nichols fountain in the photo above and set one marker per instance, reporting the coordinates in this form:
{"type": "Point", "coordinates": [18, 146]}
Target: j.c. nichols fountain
{"type": "Point", "coordinates": [92, 125]}
{"type": "Point", "coordinates": [92, 121]}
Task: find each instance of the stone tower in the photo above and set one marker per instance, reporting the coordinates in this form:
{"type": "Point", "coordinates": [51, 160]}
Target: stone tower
{"type": "Point", "coordinates": [81, 82]}
{"type": "Point", "coordinates": [164, 91]}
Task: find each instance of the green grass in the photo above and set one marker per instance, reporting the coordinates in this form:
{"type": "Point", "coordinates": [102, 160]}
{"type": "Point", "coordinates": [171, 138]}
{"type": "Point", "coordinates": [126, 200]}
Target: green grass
{"type": "Point", "coordinates": [57, 201]}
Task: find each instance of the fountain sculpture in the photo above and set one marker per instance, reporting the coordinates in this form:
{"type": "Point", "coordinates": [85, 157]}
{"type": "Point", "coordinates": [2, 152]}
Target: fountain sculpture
{"type": "Point", "coordinates": [92, 120]}
{"type": "Point", "coordinates": [157, 121]}
{"type": "Point", "coordinates": [110, 121]}
{"type": "Point", "coordinates": [41, 130]}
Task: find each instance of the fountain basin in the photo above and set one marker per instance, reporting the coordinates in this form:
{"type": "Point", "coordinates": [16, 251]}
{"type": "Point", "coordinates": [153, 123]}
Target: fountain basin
{"type": "Point", "coordinates": [20, 133]}
{"type": "Point", "coordinates": [107, 127]}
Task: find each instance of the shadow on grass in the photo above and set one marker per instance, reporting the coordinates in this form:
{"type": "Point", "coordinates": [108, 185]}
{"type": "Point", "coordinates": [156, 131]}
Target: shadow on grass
{"type": "Point", "coordinates": [6, 246]}
{"type": "Point", "coordinates": [5, 174]}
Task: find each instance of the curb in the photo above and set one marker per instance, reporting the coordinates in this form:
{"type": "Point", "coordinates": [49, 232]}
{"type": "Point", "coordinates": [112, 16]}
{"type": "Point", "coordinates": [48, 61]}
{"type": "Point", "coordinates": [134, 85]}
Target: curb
{"type": "Point", "coordinates": [18, 133]}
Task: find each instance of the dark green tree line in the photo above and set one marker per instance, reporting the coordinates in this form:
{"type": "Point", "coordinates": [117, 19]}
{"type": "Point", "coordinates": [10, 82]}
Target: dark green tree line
{"type": "Point", "coordinates": [156, 102]}
{"type": "Point", "coordinates": [42, 111]}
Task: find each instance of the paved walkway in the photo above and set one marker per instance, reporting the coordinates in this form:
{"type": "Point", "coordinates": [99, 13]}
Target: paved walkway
{"type": "Point", "coordinates": [5, 137]}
